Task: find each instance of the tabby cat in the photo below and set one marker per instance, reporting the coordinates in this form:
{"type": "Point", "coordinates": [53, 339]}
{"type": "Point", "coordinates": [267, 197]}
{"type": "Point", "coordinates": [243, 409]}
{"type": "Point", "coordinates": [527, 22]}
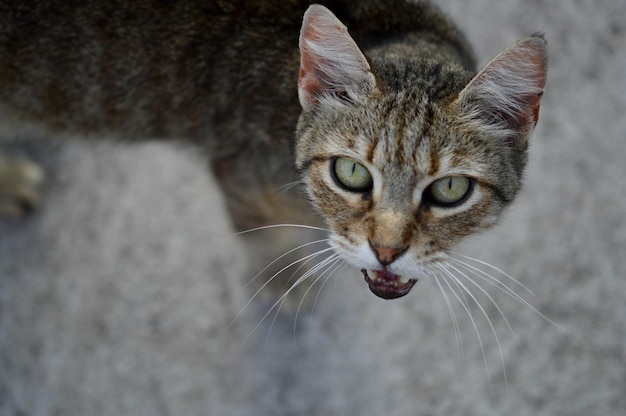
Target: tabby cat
{"type": "Point", "coordinates": [402, 147]}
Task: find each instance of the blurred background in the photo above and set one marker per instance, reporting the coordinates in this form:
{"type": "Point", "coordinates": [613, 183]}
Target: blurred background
{"type": "Point", "coordinates": [116, 298]}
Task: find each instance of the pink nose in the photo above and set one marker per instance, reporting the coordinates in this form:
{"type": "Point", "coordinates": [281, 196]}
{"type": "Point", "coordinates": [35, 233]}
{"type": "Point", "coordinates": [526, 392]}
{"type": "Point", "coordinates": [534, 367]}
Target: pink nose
{"type": "Point", "coordinates": [387, 255]}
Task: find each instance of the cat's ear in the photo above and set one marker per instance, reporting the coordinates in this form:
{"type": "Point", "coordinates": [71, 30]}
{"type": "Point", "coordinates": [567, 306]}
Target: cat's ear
{"type": "Point", "coordinates": [332, 68]}
{"type": "Point", "coordinates": [504, 97]}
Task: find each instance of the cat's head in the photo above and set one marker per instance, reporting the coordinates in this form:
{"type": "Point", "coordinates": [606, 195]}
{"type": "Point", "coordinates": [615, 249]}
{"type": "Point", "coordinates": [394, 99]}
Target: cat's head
{"type": "Point", "coordinates": [405, 157]}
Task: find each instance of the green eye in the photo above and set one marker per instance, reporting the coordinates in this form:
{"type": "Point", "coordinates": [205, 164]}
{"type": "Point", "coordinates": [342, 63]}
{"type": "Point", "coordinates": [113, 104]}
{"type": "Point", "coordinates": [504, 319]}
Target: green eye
{"type": "Point", "coordinates": [450, 190]}
{"type": "Point", "coordinates": [350, 175]}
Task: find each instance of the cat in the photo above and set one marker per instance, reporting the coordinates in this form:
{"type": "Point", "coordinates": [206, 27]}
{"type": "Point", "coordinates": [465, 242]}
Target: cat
{"type": "Point", "coordinates": [374, 108]}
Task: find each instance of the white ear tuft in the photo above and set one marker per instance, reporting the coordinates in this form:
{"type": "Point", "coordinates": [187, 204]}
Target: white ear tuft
{"type": "Point", "coordinates": [331, 65]}
{"type": "Point", "coordinates": [505, 96]}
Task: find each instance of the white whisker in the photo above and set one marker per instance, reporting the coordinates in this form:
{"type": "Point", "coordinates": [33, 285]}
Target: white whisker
{"type": "Point", "coordinates": [491, 280]}
{"type": "Point", "coordinates": [468, 312]}
{"type": "Point", "coordinates": [484, 292]}
{"type": "Point", "coordinates": [282, 298]}
{"type": "Point", "coordinates": [327, 263]}
{"type": "Point", "coordinates": [484, 313]}
{"type": "Point", "coordinates": [455, 322]}
{"type": "Point", "coordinates": [269, 331]}
{"type": "Point", "coordinates": [301, 279]}
{"type": "Point", "coordinates": [345, 264]}
{"type": "Point", "coordinates": [484, 263]}
{"type": "Point", "coordinates": [267, 227]}
{"type": "Point", "coordinates": [481, 274]}
{"type": "Point", "coordinates": [299, 268]}
{"type": "Point", "coordinates": [318, 253]}
{"type": "Point", "coordinates": [338, 267]}
{"type": "Point", "coordinates": [286, 187]}
{"type": "Point", "coordinates": [283, 256]}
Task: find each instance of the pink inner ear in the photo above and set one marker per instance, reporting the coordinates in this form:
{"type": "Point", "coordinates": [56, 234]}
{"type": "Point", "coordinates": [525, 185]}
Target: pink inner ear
{"type": "Point", "coordinates": [309, 80]}
{"type": "Point", "coordinates": [331, 63]}
{"type": "Point", "coordinates": [308, 85]}
{"type": "Point", "coordinates": [322, 29]}
{"type": "Point", "coordinates": [539, 61]}
{"type": "Point", "coordinates": [534, 60]}
{"type": "Point", "coordinates": [510, 87]}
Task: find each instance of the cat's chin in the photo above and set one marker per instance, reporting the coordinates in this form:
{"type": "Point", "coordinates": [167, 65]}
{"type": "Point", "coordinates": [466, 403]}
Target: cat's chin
{"type": "Point", "coordinates": [387, 285]}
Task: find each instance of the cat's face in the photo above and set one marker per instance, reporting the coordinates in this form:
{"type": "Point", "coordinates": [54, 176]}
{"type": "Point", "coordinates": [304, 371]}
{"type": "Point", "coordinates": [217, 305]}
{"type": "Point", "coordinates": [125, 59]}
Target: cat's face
{"type": "Point", "coordinates": [399, 176]}
{"type": "Point", "coordinates": [402, 187]}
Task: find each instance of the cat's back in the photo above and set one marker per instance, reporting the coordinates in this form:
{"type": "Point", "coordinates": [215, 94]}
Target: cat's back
{"type": "Point", "coordinates": [82, 64]}
{"type": "Point", "coordinates": [185, 68]}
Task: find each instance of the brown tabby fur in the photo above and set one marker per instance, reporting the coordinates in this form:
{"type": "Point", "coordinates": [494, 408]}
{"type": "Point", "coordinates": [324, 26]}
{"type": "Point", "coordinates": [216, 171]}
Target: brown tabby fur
{"type": "Point", "coordinates": [223, 75]}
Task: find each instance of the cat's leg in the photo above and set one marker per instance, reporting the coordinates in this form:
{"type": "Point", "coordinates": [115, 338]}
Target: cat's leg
{"type": "Point", "coordinates": [21, 182]}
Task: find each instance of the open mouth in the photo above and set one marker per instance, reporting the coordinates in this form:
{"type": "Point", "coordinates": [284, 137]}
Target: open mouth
{"type": "Point", "coordinates": [387, 285]}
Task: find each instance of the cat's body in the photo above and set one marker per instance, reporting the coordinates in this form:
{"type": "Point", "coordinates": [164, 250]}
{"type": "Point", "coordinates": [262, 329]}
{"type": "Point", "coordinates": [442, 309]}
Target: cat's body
{"type": "Point", "coordinates": [223, 75]}
{"type": "Point", "coordinates": [220, 74]}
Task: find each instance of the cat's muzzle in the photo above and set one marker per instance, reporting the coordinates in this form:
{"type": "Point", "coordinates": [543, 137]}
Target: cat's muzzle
{"type": "Point", "coordinates": [387, 285]}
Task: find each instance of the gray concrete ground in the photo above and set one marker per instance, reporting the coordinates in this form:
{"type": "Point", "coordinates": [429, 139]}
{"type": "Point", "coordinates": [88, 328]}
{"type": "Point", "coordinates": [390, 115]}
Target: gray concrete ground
{"type": "Point", "coordinates": [115, 296]}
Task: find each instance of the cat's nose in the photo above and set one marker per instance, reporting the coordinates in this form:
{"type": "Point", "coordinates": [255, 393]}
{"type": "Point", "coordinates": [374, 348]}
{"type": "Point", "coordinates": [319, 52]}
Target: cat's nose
{"type": "Point", "coordinates": [387, 255]}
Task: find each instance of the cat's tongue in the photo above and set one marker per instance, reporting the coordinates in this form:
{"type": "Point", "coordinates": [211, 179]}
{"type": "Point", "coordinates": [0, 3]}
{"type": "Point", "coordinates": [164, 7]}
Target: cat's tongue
{"type": "Point", "coordinates": [387, 285]}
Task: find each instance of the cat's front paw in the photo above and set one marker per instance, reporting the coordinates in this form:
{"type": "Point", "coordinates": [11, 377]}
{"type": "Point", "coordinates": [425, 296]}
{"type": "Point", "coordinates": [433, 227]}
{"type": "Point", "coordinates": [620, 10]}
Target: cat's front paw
{"type": "Point", "coordinates": [21, 182]}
